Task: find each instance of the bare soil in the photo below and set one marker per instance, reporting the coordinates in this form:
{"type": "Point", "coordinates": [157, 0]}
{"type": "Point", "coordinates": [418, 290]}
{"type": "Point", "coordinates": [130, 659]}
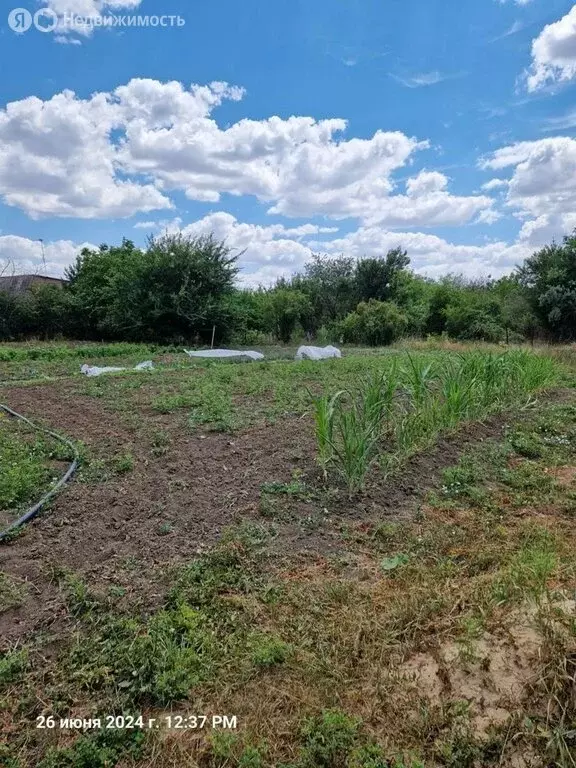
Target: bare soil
{"type": "Point", "coordinates": [132, 528]}
{"type": "Point", "coordinates": [493, 673]}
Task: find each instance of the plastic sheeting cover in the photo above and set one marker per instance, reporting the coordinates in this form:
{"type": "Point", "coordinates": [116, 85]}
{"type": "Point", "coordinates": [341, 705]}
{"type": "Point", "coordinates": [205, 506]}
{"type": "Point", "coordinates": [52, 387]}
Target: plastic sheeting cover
{"type": "Point", "coordinates": [220, 353]}
{"type": "Point", "coordinates": [94, 370]}
{"type": "Point", "coordinates": [317, 353]}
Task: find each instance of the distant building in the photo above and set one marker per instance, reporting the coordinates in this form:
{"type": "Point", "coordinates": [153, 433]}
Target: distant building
{"type": "Point", "coordinates": [25, 283]}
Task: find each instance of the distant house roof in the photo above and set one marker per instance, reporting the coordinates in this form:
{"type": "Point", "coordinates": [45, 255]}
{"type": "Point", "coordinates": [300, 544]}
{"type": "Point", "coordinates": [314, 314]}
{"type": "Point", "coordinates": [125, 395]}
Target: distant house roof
{"type": "Point", "coordinates": [23, 283]}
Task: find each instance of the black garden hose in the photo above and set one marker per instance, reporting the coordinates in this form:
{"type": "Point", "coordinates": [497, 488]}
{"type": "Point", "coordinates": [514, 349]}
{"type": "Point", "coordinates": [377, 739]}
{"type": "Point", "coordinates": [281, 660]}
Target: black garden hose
{"type": "Point", "coordinates": [33, 511]}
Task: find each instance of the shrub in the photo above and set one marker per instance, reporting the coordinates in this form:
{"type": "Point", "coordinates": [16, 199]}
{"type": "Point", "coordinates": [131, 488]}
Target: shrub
{"type": "Point", "coordinates": [470, 323]}
{"type": "Point", "coordinates": [16, 316]}
{"type": "Point", "coordinates": [377, 323]}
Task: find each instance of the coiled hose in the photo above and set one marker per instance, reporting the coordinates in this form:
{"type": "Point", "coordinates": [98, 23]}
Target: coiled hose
{"type": "Point", "coordinates": [33, 511]}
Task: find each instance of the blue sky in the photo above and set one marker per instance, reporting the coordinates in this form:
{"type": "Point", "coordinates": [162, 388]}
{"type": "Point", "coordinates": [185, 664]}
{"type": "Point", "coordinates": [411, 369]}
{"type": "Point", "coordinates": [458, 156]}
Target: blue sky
{"type": "Point", "coordinates": [344, 127]}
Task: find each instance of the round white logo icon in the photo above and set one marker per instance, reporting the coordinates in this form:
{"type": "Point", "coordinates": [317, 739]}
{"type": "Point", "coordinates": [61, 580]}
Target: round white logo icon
{"type": "Point", "coordinates": [45, 20]}
{"type": "Point", "coordinates": [19, 20]}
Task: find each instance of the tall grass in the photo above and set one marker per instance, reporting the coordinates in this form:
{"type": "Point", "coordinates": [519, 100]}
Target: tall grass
{"type": "Point", "coordinates": [394, 413]}
{"type": "Point", "coordinates": [324, 410]}
{"type": "Point", "coordinates": [461, 392]}
{"type": "Point", "coordinates": [350, 425]}
{"type": "Point", "coordinates": [64, 351]}
{"type": "Point", "coordinates": [355, 446]}
{"type": "Point", "coordinates": [417, 377]}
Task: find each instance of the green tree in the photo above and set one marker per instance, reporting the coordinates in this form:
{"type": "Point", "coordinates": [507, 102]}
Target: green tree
{"type": "Point", "coordinates": [469, 322]}
{"type": "Point", "coordinates": [247, 310]}
{"type": "Point", "coordinates": [97, 281]}
{"type": "Point", "coordinates": [185, 281]}
{"type": "Point", "coordinates": [376, 323]}
{"type": "Point", "coordinates": [173, 290]}
{"type": "Point", "coordinates": [329, 285]}
{"type": "Point", "coordinates": [413, 294]}
{"type": "Point", "coordinates": [516, 314]}
{"type": "Point", "coordinates": [53, 311]}
{"type": "Point", "coordinates": [378, 278]}
{"type": "Point", "coordinates": [15, 317]}
{"type": "Point", "coordinates": [549, 277]}
{"type": "Point", "coordinates": [285, 308]}
{"type": "Point", "coordinates": [443, 294]}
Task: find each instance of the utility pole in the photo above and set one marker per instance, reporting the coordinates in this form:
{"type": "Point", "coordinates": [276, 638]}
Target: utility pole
{"type": "Point", "coordinates": [41, 241]}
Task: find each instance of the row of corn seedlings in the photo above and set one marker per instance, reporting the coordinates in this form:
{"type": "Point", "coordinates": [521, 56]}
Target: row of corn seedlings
{"type": "Point", "coordinates": [395, 412]}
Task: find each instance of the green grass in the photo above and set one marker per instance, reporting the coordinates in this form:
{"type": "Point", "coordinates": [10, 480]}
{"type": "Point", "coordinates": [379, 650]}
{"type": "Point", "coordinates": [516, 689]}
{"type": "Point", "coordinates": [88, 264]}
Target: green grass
{"type": "Point", "coordinates": [24, 470]}
{"type": "Point", "coordinates": [227, 396]}
{"type": "Point", "coordinates": [240, 395]}
{"type": "Point", "coordinates": [13, 665]}
{"type": "Point", "coordinates": [54, 351]}
{"type": "Point", "coordinates": [98, 750]}
{"type": "Point", "coordinates": [234, 635]}
{"type": "Point", "coordinates": [306, 650]}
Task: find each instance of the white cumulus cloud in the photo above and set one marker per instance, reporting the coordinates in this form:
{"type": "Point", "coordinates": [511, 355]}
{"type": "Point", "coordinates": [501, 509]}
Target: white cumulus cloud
{"type": "Point", "coordinates": [118, 153]}
{"type": "Point", "coordinates": [432, 255]}
{"type": "Point", "coordinates": [542, 187]}
{"type": "Point", "coordinates": [20, 255]}
{"type": "Point", "coordinates": [554, 53]}
{"type": "Point", "coordinates": [269, 252]}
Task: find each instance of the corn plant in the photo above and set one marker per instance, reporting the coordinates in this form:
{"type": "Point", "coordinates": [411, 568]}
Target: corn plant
{"type": "Point", "coordinates": [356, 446]}
{"type": "Point", "coordinates": [498, 382]}
{"type": "Point", "coordinates": [418, 376]}
{"type": "Point", "coordinates": [460, 391]}
{"type": "Point", "coordinates": [349, 425]}
{"type": "Point", "coordinates": [324, 410]}
{"type": "Point", "coordinates": [533, 371]}
{"type": "Point", "coordinates": [414, 428]}
{"type": "Point", "coordinates": [377, 395]}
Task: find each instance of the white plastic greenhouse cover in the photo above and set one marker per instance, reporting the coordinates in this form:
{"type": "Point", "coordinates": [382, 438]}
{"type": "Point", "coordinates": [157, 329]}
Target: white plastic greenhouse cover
{"type": "Point", "coordinates": [225, 353]}
{"type": "Point", "coordinates": [317, 353]}
{"type": "Point", "coordinates": [94, 370]}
